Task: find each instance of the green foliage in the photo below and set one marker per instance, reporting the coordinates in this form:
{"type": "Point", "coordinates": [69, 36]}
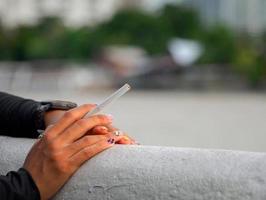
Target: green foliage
{"type": "Point", "coordinates": [50, 39]}
{"type": "Point", "coordinates": [4, 45]}
{"type": "Point", "coordinates": [47, 40]}
{"type": "Point", "coordinates": [250, 61]}
{"type": "Point", "coordinates": [220, 46]}
{"type": "Point", "coordinates": [181, 22]}
{"type": "Point", "coordinates": [132, 27]}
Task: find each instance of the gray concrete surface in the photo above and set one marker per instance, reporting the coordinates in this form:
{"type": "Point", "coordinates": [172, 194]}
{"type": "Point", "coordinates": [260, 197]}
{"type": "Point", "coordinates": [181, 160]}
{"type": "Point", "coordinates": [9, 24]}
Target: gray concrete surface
{"type": "Point", "coordinates": [156, 173]}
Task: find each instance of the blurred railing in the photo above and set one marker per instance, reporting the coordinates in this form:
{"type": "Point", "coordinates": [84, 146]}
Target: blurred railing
{"type": "Point", "coordinates": [57, 76]}
{"type": "Point", "coordinates": [24, 76]}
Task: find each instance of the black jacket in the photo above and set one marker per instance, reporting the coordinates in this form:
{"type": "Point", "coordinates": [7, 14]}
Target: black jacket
{"type": "Point", "coordinates": [19, 118]}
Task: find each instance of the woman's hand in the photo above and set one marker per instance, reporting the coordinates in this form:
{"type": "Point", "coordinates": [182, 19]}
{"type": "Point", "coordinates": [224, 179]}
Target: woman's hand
{"type": "Point", "coordinates": [109, 129]}
{"type": "Point", "coordinates": [51, 117]}
{"type": "Point", "coordinates": [64, 148]}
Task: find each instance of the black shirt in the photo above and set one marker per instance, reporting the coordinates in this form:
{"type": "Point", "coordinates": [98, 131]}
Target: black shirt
{"type": "Point", "coordinates": [19, 118]}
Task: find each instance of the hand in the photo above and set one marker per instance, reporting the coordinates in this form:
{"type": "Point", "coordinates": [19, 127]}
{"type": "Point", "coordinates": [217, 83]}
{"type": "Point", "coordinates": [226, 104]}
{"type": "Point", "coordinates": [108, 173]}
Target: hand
{"type": "Point", "coordinates": [64, 148]}
{"type": "Point", "coordinates": [110, 129]}
{"type": "Point", "coordinates": [51, 117]}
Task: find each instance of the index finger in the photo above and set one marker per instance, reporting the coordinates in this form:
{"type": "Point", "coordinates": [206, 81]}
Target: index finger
{"type": "Point", "coordinates": [68, 119]}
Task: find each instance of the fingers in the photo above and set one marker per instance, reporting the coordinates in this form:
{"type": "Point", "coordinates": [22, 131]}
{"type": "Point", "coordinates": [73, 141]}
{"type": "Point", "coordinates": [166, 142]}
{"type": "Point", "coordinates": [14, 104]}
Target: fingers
{"type": "Point", "coordinates": [99, 130]}
{"type": "Point", "coordinates": [102, 130]}
{"type": "Point", "coordinates": [126, 140]}
{"type": "Point", "coordinates": [111, 128]}
{"type": "Point", "coordinates": [86, 153]}
{"type": "Point", "coordinates": [82, 126]}
{"type": "Point", "coordinates": [83, 143]}
{"type": "Point", "coordinates": [88, 140]}
{"type": "Point", "coordinates": [69, 118]}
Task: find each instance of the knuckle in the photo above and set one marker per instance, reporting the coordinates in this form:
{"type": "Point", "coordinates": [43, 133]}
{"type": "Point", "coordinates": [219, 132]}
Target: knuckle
{"type": "Point", "coordinates": [49, 127]}
{"type": "Point", "coordinates": [88, 152]}
{"type": "Point", "coordinates": [87, 106]}
{"type": "Point", "coordinates": [101, 137]}
{"type": "Point", "coordinates": [109, 135]}
{"type": "Point", "coordinates": [99, 119]}
{"type": "Point", "coordinates": [65, 169]}
{"type": "Point", "coordinates": [104, 137]}
{"type": "Point", "coordinates": [82, 123]}
{"type": "Point", "coordinates": [47, 137]}
{"type": "Point", "coordinates": [62, 167]}
{"type": "Point", "coordinates": [69, 115]}
{"type": "Point", "coordinates": [54, 158]}
{"type": "Point", "coordinates": [52, 147]}
{"type": "Point", "coordinates": [86, 139]}
{"type": "Point", "coordinates": [59, 163]}
{"type": "Point", "coordinates": [102, 117]}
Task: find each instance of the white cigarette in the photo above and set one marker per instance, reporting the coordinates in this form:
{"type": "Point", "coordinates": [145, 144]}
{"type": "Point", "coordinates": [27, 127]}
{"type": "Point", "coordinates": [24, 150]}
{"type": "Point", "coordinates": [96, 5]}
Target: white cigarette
{"type": "Point", "coordinates": [109, 100]}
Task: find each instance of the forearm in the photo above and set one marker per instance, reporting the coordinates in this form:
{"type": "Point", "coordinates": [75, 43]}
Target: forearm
{"type": "Point", "coordinates": [18, 116]}
{"type": "Point", "coordinates": [18, 185]}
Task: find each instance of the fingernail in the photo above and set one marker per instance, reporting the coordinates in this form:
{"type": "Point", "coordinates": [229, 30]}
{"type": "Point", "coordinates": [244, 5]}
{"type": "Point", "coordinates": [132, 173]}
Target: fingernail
{"type": "Point", "coordinates": [103, 128]}
{"type": "Point", "coordinates": [127, 138]}
{"type": "Point", "coordinates": [110, 117]}
{"type": "Point", "coordinates": [111, 141]}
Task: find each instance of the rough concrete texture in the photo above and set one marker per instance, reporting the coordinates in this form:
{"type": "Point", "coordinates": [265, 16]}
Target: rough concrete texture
{"type": "Point", "coordinates": [146, 172]}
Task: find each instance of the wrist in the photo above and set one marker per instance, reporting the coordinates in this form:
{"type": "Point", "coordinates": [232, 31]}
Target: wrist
{"type": "Point", "coordinates": [49, 112]}
{"type": "Point", "coordinates": [52, 116]}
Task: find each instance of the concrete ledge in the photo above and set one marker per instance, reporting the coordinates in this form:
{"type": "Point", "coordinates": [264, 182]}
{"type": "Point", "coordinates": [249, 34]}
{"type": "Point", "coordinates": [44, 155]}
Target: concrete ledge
{"type": "Point", "coordinates": [145, 172]}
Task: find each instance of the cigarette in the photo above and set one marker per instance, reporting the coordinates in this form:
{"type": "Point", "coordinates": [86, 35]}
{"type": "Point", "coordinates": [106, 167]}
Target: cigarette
{"type": "Point", "coordinates": [109, 100]}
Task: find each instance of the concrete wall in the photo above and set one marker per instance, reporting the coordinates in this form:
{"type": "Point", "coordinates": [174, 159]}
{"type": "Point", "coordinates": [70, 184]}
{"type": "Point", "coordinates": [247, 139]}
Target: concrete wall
{"type": "Point", "coordinates": [146, 172]}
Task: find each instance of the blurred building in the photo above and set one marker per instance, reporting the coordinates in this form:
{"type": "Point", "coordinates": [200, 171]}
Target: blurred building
{"type": "Point", "coordinates": [73, 12]}
{"type": "Point", "coordinates": [241, 15]}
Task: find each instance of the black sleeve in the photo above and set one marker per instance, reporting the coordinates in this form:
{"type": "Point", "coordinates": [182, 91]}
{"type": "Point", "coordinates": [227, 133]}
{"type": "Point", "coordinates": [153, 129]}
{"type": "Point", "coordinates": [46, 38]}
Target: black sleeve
{"type": "Point", "coordinates": [18, 186]}
{"type": "Point", "coordinates": [19, 117]}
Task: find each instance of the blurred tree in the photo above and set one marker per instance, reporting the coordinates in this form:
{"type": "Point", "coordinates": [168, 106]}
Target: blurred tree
{"type": "Point", "coordinates": [220, 46]}
{"type": "Point", "coordinates": [181, 22]}
{"type": "Point", "coordinates": [80, 44]}
{"type": "Point", "coordinates": [50, 39]}
{"type": "Point", "coordinates": [4, 45]}
{"type": "Point", "coordinates": [20, 39]}
{"type": "Point", "coordinates": [248, 62]}
{"type": "Point", "coordinates": [133, 27]}
{"type": "Point", "coordinates": [47, 40]}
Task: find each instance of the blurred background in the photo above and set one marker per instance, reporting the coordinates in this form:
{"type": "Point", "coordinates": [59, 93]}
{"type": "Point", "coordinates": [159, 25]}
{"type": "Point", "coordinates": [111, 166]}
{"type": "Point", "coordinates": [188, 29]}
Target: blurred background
{"type": "Point", "coordinates": [197, 67]}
